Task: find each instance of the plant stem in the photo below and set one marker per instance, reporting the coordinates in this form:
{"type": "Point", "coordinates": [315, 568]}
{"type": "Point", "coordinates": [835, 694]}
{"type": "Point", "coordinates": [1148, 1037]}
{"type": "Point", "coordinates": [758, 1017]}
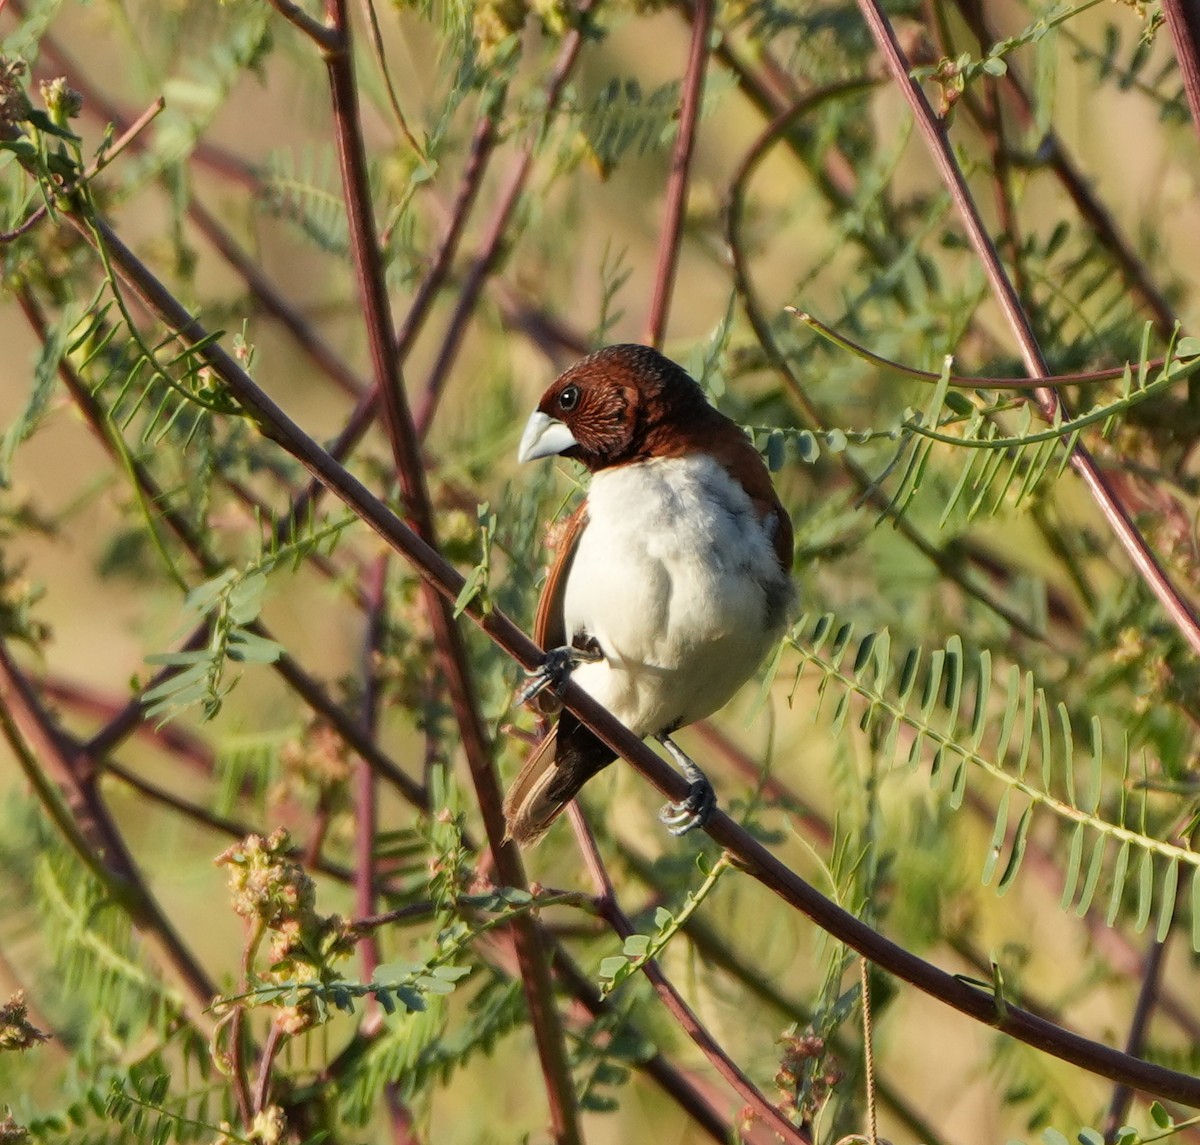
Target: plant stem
{"type": "Point", "coordinates": [671, 236]}
{"type": "Point", "coordinates": [752, 857]}
{"type": "Point", "coordinates": [1144, 560]}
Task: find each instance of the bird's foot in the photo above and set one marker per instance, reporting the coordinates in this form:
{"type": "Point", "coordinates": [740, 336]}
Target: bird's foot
{"type": "Point", "coordinates": [696, 810]}
{"type": "Point", "coordinates": [555, 671]}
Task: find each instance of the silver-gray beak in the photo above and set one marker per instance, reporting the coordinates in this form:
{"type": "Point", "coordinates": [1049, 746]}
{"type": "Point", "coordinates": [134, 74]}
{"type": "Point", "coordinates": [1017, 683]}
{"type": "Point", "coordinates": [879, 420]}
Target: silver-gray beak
{"type": "Point", "coordinates": [544, 437]}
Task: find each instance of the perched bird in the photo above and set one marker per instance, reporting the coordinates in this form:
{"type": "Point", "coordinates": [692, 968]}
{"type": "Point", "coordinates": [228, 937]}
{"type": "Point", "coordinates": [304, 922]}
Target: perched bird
{"type": "Point", "coordinates": [670, 582]}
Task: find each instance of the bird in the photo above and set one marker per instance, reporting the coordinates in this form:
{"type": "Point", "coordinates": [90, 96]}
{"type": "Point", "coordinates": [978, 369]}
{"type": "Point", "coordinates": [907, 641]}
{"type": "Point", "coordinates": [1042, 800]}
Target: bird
{"type": "Point", "coordinates": [670, 583]}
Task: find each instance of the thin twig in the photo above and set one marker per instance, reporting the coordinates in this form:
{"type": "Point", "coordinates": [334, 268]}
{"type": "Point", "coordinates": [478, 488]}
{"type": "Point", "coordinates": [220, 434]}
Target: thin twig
{"type": "Point", "coordinates": [1110, 506]}
{"type": "Point", "coordinates": [691, 1025]}
{"type": "Point", "coordinates": [965, 381]}
{"type": "Point", "coordinates": [406, 452]}
{"type": "Point", "coordinates": [325, 37]}
{"type": "Point", "coordinates": [366, 798]}
{"type": "Point", "coordinates": [271, 1048]}
{"type": "Point", "coordinates": [1151, 975]}
{"type": "Point", "coordinates": [671, 234]}
{"type": "Point", "coordinates": [864, 970]}
{"type": "Point", "coordinates": [498, 232]}
{"type": "Point", "coordinates": [752, 856]}
{"type": "Point", "coordinates": [1183, 19]}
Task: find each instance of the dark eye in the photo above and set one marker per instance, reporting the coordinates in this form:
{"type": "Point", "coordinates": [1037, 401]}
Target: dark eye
{"type": "Point", "coordinates": [568, 399]}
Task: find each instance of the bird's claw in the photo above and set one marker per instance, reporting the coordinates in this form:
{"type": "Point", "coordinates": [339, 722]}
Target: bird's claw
{"type": "Point", "coordinates": [695, 811]}
{"type": "Point", "coordinates": [554, 671]}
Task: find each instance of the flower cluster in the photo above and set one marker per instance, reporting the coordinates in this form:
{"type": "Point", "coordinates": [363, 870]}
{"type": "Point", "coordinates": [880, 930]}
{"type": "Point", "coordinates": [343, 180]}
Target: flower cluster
{"type": "Point", "coordinates": [276, 896]}
{"type": "Point", "coordinates": [16, 1032]}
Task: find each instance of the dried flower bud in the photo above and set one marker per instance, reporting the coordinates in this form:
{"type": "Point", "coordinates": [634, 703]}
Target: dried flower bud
{"type": "Point", "coordinates": [16, 1033]}
{"type": "Point", "coordinates": [266, 884]}
{"type": "Point", "coordinates": [10, 1132]}
{"type": "Point", "coordinates": [62, 101]}
{"type": "Point", "coordinates": [14, 103]}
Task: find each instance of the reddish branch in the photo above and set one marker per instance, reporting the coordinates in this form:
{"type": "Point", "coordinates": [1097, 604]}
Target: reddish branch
{"type": "Point", "coordinates": [1183, 19]}
{"type": "Point", "coordinates": [50, 756]}
{"type": "Point", "coordinates": [498, 233]}
{"type": "Point", "coordinates": [684, 1015]}
{"type": "Point", "coordinates": [405, 444]}
{"type": "Point", "coordinates": [752, 857]}
{"type": "Point", "coordinates": [1114, 512]}
{"type": "Point", "coordinates": [681, 165]}
{"type": "Point", "coordinates": [306, 686]}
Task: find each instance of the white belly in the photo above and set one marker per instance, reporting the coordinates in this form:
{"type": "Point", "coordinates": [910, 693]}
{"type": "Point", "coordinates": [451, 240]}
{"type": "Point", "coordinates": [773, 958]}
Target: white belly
{"type": "Point", "coordinates": [677, 580]}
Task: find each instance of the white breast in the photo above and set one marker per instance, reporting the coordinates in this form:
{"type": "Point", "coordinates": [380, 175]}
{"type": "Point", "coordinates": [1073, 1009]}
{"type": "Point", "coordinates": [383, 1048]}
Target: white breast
{"type": "Point", "coordinates": [677, 580]}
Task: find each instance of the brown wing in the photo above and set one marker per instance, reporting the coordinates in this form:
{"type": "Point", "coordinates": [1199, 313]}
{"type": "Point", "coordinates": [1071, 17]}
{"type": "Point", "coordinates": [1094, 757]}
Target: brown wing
{"type": "Point", "coordinates": [549, 627]}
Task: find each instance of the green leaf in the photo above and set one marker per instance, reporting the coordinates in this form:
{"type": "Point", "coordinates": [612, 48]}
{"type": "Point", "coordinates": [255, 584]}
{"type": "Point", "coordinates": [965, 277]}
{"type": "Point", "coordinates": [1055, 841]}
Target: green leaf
{"type": "Point", "coordinates": [1166, 903]}
{"type": "Point", "coordinates": [636, 945]}
{"type": "Point", "coordinates": [45, 375]}
{"type": "Point", "coordinates": [1187, 348]}
{"type": "Point", "coordinates": [1145, 891]}
{"type": "Point", "coordinates": [1074, 862]}
{"type": "Point", "coordinates": [1018, 850]}
{"type": "Point", "coordinates": [807, 449]}
{"type": "Point", "coordinates": [613, 965]}
{"type": "Point", "coordinates": [997, 843]}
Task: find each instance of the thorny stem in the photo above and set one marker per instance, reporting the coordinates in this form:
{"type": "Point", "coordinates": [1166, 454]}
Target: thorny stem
{"type": "Point", "coordinates": [1144, 560]}
{"type": "Point", "coordinates": [751, 855]}
{"type": "Point", "coordinates": [691, 1025]}
{"type": "Point", "coordinates": [406, 453]}
{"type": "Point", "coordinates": [671, 237]}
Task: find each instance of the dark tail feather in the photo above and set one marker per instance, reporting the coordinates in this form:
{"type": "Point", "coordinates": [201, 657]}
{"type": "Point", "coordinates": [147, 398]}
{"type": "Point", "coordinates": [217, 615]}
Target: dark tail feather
{"type": "Point", "coordinates": [552, 776]}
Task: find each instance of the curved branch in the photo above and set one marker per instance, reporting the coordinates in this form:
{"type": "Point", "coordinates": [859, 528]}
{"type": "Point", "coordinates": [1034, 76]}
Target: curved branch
{"type": "Point", "coordinates": [963, 381]}
{"type": "Point", "coordinates": [1144, 560]}
{"type": "Point", "coordinates": [751, 855]}
{"type": "Point", "coordinates": [947, 564]}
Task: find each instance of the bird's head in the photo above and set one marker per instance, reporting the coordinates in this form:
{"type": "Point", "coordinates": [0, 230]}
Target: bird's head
{"type": "Point", "coordinates": [621, 404]}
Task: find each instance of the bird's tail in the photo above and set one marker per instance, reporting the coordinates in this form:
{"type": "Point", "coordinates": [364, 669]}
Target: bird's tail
{"type": "Point", "coordinates": [552, 776]}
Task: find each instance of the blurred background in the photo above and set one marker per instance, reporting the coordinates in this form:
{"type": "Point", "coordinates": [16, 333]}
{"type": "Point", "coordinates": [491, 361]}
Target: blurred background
{"type": "Point", "coordinates": [1083, 160]}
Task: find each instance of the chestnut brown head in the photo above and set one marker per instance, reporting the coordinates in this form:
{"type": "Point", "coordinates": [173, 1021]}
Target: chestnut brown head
{"type": "Point", "coordinates": [613, 407]}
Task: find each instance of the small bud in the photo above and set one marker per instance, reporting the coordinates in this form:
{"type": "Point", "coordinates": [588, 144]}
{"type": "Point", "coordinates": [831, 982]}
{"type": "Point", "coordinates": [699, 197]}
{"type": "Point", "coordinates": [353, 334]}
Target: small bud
{"type": "Point", "coordinates": [11, 1133]}
{"type": "Point", "coordinates": [62, 101]}
{"type": "Point", "coordinates": [14, 103]}
{"type": "Point", "coordinates": [16, 1032]}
